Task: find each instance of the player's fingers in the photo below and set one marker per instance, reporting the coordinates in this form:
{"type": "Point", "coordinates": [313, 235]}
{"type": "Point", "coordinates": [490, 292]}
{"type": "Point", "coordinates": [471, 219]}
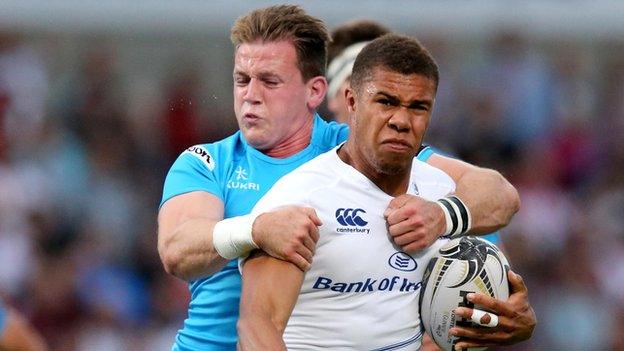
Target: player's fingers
{"type": "Point", "coordinates": [404, 239]}
{"type": "Point", "coordinates": [314, 233]}
{"type": "Point", "coordinates": [396, 203]}
{"type": "Point", "coordinates": [309, 244]}
{"type": "Point", "coordinates": [463, 312]}
{"type": "Point", "coordinates": [312, 230]}
{"type": "Point", "coordinates": [478, 334]}
{"type": "Point", "coordinates": [464, 344]}
{"type": "Point", "coordinates": [299, 261]}
{"type": "Point", "coordinates": [477, 316]}
{"type": "Point", "coordinates": [396, 216]}
{"type": "Point", "coordinates": [399, 229]}
{"type": "Point", "coordinates": [516, 283]}
{"type": "Point", "coordinates": [484, 318]}
{"type": "Point", "coordinates": [313, 216]}
{"type": "Point", "coordinates": [411, 242]}
{"type": "Point", "coordinates": [305, 252]}
{"type": "Point", "coordinates": [489, 303]}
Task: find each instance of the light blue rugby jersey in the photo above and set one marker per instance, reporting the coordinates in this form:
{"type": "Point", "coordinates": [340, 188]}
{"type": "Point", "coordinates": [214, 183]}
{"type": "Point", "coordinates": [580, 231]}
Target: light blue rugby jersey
{"type": "Point", "coordinates": [239, 175]}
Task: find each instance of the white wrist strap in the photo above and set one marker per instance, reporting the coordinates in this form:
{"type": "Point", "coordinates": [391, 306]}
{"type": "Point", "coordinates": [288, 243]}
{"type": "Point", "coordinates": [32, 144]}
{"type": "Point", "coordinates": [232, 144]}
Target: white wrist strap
{"type": "Point", "coordinates": [457, 216]}
{"type": "Point", "coordinates": [232, 238]}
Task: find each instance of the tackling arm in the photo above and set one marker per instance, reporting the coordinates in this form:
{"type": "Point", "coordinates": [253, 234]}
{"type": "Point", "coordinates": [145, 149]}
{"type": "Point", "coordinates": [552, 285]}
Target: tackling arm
{"type": "Point", "coordinates": [491, 199]}
{"type": "Point", "coordinates": [269, 293]}
{"type": "Point", "coordinates": [185, 224]}
{"type": "Point", "coordinates": [414, 223]}
{"type": "Point", "coordinates": [185, 234]}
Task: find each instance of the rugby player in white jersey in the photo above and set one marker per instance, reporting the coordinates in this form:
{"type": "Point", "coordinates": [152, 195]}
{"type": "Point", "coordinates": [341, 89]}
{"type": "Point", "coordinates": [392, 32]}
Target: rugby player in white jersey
{"type": "Point", "coordinates": [362, 290]}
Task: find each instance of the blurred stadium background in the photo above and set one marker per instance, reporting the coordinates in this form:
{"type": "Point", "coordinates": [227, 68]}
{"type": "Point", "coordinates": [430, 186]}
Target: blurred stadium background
{"type": "Point", "coordinates": [98, 97]}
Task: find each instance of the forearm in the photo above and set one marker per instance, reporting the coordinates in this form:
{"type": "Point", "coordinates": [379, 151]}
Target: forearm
{"type": "Point", "coordinates": [265, 309]}
{"type": "Point", "coordinates": [188, 253]}
{"type": "Point", "coordinates": [491, 199]}
{"type": "Point", "coordinates": [259, 333]}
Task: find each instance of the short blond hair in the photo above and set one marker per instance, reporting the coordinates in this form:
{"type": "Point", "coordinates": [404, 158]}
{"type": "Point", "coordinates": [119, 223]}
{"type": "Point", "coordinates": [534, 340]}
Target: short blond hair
{"type": "Point", "coordinates": [308, 34]}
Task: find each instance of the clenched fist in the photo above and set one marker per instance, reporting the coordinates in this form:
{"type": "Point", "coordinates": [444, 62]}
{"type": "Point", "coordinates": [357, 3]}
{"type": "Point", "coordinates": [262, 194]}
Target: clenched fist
{"type": "Point", "coordinates": [413, 222]}
{"type": "Point", "coordinates": [289, 233]}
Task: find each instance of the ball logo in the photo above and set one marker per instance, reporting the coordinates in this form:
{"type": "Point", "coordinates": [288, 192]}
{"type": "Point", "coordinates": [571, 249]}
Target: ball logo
{"type": "Point", "coordinates": [402, 262]}
{"type": "Point", "coordinates": [475, 253]}
{"type": "Point", "coordinates": [350, 217]}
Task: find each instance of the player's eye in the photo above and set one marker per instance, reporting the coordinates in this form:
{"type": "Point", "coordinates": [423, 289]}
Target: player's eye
{"type": "Point", "coordinates": [241, 80]}
{"type": "Point", "coordinates": [419, 107]}
{"type": "Point", "coordinates": [385, 102]}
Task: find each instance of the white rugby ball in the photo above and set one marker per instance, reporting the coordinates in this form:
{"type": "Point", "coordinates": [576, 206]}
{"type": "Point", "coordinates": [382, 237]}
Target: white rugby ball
{"type": "Point", "coordinates": [463, 265]}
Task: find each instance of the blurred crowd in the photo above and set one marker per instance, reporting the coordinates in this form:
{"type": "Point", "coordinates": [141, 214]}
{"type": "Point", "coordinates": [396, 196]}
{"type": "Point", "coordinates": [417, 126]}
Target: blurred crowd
{"type": "Point", "coordinates": [84, 151]}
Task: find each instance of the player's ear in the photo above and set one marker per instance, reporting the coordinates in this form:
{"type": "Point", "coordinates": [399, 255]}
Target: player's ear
{"type": "Point", "coordinates": [317, 87]}
{"type": "Point", "coordinates": [349, 95]}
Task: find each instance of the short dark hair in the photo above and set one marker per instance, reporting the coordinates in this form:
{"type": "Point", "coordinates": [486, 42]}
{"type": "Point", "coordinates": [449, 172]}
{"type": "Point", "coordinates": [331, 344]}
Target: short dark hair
{"type": "Point", "coordinates": [287, 22]}
{"type": "Point", "coordinates": [397, 53]}
{"type": "Point", "coordinates": [354, 32]}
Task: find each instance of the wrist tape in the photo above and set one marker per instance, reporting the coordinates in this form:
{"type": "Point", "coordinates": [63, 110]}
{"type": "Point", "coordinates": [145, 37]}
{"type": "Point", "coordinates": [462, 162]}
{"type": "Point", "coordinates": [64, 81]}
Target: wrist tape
{"type": "Point", "coordinates": [457, 216]}
{"type": "Point", "coordinates": [232, 238]}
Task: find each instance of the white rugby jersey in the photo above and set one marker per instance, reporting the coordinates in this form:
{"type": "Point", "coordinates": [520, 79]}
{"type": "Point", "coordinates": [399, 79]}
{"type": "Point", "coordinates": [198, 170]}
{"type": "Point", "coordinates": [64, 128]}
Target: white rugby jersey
{"type": "Point", "coordinates": [362, 291]}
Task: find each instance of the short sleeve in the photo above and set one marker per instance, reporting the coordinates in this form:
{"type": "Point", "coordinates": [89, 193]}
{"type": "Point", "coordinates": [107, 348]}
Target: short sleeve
{"type": "Point", "coordinates": [194, 170]}
{"type": "Point", "coordinates": [425, 153]}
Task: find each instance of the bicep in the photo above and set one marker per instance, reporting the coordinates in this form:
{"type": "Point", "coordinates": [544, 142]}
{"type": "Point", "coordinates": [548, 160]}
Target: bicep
{"type": "Point", "coordinates": [190, 206]}
{"type": "Point", "coordinates": [270, 288]}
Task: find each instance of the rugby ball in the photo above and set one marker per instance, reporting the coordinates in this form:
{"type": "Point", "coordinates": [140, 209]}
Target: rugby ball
{"type": "Point", "coordinates": [463, 265]}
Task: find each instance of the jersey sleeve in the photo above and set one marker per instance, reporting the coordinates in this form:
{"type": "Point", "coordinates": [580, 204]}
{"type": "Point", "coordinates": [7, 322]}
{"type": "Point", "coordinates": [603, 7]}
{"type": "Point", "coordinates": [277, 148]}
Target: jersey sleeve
{"type": "Point", "coordinates": [425, 152]}
{"type": "Point", "coordinates": [194, 170]}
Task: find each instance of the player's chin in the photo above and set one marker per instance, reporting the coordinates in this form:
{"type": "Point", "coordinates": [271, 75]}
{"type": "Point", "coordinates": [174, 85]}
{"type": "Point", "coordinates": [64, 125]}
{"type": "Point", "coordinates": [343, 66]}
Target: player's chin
{"type": "Point", "coordinates": [257, 138]}
{"type": "Point", "coordinates": [394, 165]}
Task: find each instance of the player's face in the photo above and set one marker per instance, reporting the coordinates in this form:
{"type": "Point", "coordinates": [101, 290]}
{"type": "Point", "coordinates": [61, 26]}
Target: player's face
{"type": "Point", "coordinates": [390, 114]}
{"type": "Point", "coordinates": [270, 96]}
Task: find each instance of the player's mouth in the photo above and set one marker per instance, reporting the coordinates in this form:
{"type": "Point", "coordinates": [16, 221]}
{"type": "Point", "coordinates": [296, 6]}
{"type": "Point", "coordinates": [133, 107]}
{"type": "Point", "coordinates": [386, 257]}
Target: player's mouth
{"type": "Point", "coordinates": [397, 145]}
{"type": "Point", "coordinates": [251, 118]}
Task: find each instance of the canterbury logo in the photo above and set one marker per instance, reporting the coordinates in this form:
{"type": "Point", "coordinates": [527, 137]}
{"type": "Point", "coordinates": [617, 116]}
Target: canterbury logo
{"type": "Point", "coordinates": [350, 217]}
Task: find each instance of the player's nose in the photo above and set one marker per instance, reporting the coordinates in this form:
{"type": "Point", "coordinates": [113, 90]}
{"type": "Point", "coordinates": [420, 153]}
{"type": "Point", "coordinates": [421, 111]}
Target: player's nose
{"type": "Point", "coordinates": [253, 92]}
{"type": "Point", "coordinates": [400, 119]}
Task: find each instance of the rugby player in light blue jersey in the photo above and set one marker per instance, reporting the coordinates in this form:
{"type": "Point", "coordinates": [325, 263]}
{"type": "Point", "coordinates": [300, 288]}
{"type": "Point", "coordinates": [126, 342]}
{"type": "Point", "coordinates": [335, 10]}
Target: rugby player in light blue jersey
{"type": "Point", "coordinates": [279, 68]}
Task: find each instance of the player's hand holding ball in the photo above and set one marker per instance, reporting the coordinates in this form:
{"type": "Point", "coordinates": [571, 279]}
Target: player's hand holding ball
{"type": "Point", "coordinates": [516, 318]}
{"type": "Point", "coordinates": [471, 299]}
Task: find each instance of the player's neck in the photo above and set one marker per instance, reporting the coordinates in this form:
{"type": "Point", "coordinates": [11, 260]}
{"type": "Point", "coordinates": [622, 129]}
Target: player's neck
{"type": "Point", "coordinates": [297, 142]}
{"type": "Point", "coordinates": [391, 184]}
